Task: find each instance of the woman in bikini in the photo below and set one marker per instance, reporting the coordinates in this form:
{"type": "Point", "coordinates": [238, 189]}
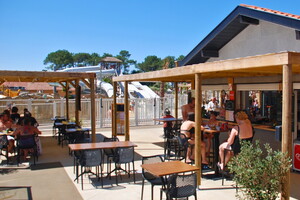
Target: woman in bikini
{"type": "Point", "coordinates": [243, 131]}
{"type": "Point", "coordinates": [188, 129]}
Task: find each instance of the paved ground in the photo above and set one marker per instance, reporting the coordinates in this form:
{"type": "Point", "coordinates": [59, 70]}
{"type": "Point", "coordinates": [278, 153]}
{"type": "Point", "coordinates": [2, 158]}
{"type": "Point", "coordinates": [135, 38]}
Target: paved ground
{"type": "Point", "coordinates": [148, 139]}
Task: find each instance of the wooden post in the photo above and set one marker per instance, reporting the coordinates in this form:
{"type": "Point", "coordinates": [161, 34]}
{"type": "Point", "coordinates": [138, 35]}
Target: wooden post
{"type": "Point", "coordinates": [126, 110]}
{"type": "Point", "coordinates": [93, 109]}
{"type": "Point", "coordinates": [198, 121]}
{"type": "Point", "coordinates": [286, 144]}
{"type": "Point", "coordinates": [176, 100]}
{"type": "Point", "coordinates": [67, 99]}
{"type": "Point", "coordinates": [76, 109]}
{"type": "Point", "coordinates": [114, 109]}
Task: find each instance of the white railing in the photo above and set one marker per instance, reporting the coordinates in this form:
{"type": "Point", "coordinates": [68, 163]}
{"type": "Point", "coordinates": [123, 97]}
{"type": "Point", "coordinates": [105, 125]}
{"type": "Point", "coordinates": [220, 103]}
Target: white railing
{"type": "Point", "coordinates": [142, 111]}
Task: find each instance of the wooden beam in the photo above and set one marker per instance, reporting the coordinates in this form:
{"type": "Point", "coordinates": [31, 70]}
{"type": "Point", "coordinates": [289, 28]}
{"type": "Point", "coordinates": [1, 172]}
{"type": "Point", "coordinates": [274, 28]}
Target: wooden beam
{"type": "Point", "coordinates": [114, 113]}
{"type": "Point", "coordinates": [73, 84]}
{"type": "Point", "coordinates": [88, 84]}
{"type": "Point", "coordinates": [254, 63]}
{"type": "Point", "coordinates": [198, 121]}
{"type": "Point", "coordinates": [62, 85]}
{"type": "Point", "coordinates": [126, 110]}
{"type": "Point", "coordinates": [287, 142]}
{"type": "Point", "coordinates": [93, 109]}
{"type": "Point", "coordinates": [67, 99]}
{"type": "Point", "coordinates": [176, 100]}
{"type": "Point", "coordinates": [76, 108]}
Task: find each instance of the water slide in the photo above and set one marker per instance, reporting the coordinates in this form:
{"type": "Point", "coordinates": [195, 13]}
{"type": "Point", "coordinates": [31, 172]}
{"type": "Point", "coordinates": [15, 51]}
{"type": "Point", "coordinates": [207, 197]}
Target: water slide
{"type": "Point", "coordinates": [135, 89]}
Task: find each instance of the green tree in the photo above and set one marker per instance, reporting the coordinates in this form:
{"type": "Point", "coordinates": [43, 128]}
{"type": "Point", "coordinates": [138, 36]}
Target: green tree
{"type": "Point", "coordinates": [94, 59]}
{"type": "Point", "coordinates": [126, 62]}
{"type": "Point", "coordinates": [106, 55]}
{"type": "Point", "coordinates": [81, 59]}
{"type": "Point", "coordinates": [151, 63]}
{"type": "Point", "coordinates": [181, 57]}
{"type": "Point", "coordinates": [60, 59]}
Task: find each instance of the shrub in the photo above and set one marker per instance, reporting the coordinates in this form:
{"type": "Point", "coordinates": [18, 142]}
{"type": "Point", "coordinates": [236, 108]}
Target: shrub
{"type": "Point", "coordinates": [259, 173]}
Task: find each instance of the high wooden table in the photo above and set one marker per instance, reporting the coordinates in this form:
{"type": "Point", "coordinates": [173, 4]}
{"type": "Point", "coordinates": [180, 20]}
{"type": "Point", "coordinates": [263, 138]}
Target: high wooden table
{"type": "Point", "coordinates": [216, 144]}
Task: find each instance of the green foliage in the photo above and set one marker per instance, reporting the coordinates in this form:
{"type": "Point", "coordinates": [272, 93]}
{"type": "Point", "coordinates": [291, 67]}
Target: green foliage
{"type": "Point", "coordinates": [81, 59]}
{"type": "Point", "coordinates": [151, 63]}
{"type": "Point", "coordinates": [107, 80]}
{"type": "Point", "coordinates": [259, 173]}
{"type": "Point", "coordinates": [59, 60]}
{"type": "Point", "coordinates": [126, 62]}
{"type": "Point", "coordinates": [94, 59]}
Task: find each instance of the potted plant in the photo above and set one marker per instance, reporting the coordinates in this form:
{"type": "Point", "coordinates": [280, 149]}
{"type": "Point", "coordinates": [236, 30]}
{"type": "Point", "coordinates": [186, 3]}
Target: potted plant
{"type": "Point", "coordinates": [259, 173]}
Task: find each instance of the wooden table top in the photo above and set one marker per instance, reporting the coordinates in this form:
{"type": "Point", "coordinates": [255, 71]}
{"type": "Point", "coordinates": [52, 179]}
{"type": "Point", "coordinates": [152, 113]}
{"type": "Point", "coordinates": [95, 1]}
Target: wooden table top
{"type": "Point", "coordinates": [167, 168]}
{"type": "Point", "coordinates": [101, 145]}
{"type": "Point", "coordinates": [167, 119]}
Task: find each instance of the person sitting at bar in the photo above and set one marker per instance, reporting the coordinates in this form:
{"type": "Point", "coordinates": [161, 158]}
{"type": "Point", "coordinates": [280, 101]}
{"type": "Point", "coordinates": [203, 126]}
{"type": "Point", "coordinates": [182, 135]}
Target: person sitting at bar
{"type": "Point", "coordinates": [188, 108]}
{"type": "Point", "coordinates": [167, 125]}
{"type": "Point", "coordinates": [242, 132]}
{"type": "Point", "coordinates": [188, 129]}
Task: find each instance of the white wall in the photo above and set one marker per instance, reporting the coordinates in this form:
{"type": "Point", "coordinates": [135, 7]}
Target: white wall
{"type": "Point", "coordinates": [260, 39]}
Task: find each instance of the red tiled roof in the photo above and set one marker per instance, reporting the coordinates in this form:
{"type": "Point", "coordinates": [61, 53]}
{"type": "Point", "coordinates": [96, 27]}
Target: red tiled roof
{"type": "Point", "coordinates": [272, 11]}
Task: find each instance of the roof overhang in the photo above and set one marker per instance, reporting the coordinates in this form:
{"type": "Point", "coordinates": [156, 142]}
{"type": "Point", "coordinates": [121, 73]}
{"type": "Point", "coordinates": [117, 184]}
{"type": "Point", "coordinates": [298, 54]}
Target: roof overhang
{"type": "Point", "coordinates": [240, 18]}
{"type": "Point", "coordinates": [36, 76]}
{"type": "Point", "coordinates": [261, 65]}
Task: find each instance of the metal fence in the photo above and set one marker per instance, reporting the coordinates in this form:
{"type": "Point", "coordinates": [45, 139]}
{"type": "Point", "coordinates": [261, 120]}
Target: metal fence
{"type": "Point", "coordinates": [142, 111]}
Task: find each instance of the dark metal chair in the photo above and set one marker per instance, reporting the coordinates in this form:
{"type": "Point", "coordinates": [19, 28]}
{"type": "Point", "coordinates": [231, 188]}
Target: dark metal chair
{"type": "Point", "coordinates": [109, 153]}
{"type": "Point", "coordinates": [27, 142]}
{"type": "Point", "coordinates": [180, 186]}
{"type": "Point", "coordinates": [124, 155]}
{"type": "Point", "coordinates": [148, 176]}
{"type": "Point", "coordinates": [87, 160]}
{"type": "Point", "coordinates": [4, 146]}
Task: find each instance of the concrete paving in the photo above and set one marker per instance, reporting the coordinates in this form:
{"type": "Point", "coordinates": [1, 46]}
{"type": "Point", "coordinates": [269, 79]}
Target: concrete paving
{"type": "Point", "coordinates": [149, 140]}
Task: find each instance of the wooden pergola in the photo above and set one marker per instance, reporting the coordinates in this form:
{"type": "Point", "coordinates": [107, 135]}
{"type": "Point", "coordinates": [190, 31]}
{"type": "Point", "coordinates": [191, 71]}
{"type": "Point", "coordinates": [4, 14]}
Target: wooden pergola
{"type": "Point", "coordinates": [65, 79]}
{"type": "Point", "coordinates": [285, 64]}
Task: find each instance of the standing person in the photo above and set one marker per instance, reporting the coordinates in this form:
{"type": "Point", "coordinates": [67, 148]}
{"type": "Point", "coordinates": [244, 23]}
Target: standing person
{"type": "Point", "coordinates": [15, 116]}
{"type": "Point", "coordinates": [167, 125]}
{"type": "Point", "coordinates": [242, 132]}
{"type": "Point", "coordinates": [188, 129]}
{"type": "Point", "coordinates": [212, 105]}
{"type": "Point", "coordinates": [188, 108]}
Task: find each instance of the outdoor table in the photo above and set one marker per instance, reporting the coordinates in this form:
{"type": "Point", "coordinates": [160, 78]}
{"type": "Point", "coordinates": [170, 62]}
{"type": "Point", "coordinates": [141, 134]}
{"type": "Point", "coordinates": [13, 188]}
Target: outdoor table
{"type": "Point", "coordinates": [163, 169]}
{"type": "Point", "coordinates": [61, 128]}
{"type": "Point", "coordinates": [99, 145]}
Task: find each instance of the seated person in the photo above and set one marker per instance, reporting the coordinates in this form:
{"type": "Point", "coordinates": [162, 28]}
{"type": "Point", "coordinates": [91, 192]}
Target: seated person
{"type": "Point", "coordinates": [6, 124]}
{"type": "Point", "coordinates": [33, 121]}
{"type": "Point", "coordinates": [167, 125]}
{"type": "Point", "coordinates": [26, 129]}
{"type": "Point", "coordinates": [15, 116]}
{"type": "Point", "coordinates": [243, 131]}
{"type": "Point", "coordinates": [188, 129]}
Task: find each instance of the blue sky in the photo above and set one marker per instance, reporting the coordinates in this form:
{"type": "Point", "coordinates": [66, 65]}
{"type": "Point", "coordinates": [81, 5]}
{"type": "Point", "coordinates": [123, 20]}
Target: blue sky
{"type": "Point", "coordinates": [31, 29]}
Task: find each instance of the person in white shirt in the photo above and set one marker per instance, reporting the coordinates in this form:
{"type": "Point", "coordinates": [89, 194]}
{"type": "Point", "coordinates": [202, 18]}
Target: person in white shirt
{"type": "Point", "coordinates": [212, 105]}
